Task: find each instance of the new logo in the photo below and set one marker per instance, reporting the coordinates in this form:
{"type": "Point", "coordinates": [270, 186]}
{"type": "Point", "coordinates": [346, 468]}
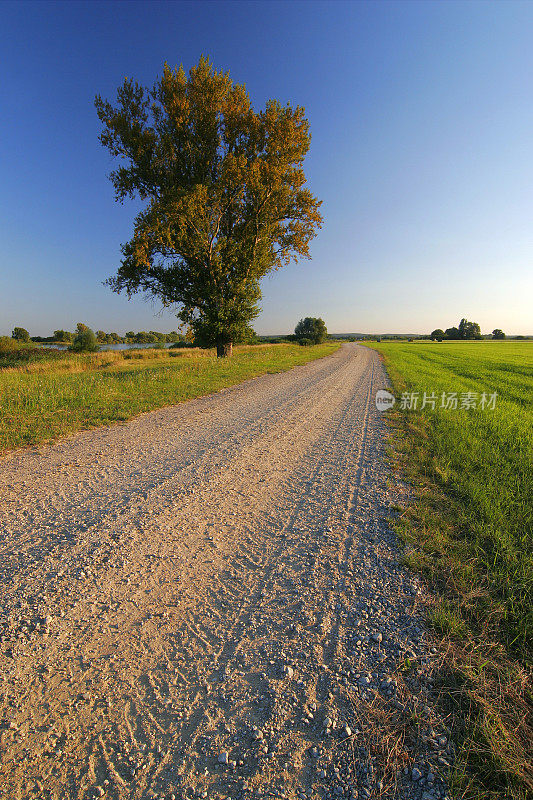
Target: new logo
{"type": "Point", "coordinates": [384, 400]}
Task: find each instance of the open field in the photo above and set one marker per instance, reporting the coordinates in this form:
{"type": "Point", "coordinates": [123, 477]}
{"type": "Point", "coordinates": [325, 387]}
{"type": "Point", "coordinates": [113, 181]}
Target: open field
{"type": "Point", "coordinates": [44, 400]}
{"type": "Point", "coordinates": [469, 529]}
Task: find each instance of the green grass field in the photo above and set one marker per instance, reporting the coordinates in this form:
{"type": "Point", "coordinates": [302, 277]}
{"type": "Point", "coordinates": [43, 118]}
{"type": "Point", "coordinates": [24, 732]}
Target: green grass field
{"type": "Point", "coordinates": [44, 400]}
{"type": "Point", "coordinates": [469, 529]}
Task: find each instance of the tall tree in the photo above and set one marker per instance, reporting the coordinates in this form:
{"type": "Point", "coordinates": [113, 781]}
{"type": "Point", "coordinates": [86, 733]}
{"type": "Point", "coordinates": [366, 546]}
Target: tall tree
{"type": "Point", "coordinates": [469, 330]}
{"type": "Point", "coordinates": [226, 195]}
{"type": "Point", "coordinates": [311, 329]}
{"type": "Point", "coordinates": [20, 334]}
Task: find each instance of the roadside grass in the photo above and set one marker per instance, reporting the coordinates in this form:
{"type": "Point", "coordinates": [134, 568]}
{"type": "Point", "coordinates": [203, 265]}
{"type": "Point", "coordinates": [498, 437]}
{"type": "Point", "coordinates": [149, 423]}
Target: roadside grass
{"type": "Point", "coordinates": [468, 529]}
{"type": "Point", "coordinates": [47, 399]}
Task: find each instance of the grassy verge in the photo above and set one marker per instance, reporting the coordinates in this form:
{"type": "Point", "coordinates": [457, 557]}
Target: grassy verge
{"type": "Point", "coordinates": [48, 399]}
{"type": "Point", "coordinates": [468, 529]}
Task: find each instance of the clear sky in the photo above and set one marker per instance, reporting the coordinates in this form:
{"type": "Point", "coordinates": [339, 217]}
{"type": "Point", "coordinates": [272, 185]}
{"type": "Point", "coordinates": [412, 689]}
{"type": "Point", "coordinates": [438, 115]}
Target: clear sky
{"type": "Point", "coordinates": [421, 115]}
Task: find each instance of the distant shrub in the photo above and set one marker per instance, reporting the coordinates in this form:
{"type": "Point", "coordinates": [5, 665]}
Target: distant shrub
{"type": "Point", "coordinates": [84, 340]}
{"type": "Point", "coordinates": [304, 342]}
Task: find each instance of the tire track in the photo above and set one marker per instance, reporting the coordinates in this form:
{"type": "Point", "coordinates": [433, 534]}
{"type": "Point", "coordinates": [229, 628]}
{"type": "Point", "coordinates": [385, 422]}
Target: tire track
{"type": "Point", "coordinates": [210, 612]}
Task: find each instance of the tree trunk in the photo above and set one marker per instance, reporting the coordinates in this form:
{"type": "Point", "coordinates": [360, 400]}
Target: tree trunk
{"type": "Point", "coordinates": [224, 350]}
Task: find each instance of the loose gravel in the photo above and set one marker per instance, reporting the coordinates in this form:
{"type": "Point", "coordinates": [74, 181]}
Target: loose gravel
{"type": "Point", "coordinates": [207, 602]}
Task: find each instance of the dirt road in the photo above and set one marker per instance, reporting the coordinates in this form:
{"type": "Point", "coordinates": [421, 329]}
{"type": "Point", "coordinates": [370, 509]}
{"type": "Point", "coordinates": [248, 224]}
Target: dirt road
{"type": "Point", "coordinates": [207, 602]}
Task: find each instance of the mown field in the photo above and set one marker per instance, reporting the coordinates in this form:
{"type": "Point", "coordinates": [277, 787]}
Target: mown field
{"type": "Point", "coordinates": [468, 527]}
{"type": "Point", "coordinates": [56, 394]}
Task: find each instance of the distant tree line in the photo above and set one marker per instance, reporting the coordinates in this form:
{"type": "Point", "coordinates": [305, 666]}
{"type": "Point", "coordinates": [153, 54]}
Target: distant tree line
{"type": "Point", "coordinates": [310, 330]}
{"type": "Point", "coordinates": [62, 336]}
{"type": "Point", "coordinates": [466, 330]}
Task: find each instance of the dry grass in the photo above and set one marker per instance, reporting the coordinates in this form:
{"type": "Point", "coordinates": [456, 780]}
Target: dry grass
{"type": "Point", "coordinates": [387, 736]}
{"type": "Point", "coordinates": [394, 733]}
{"type": "Point", "coordinates": [490, 696]}
{"type": "Point", "coordinates": [86, 362]}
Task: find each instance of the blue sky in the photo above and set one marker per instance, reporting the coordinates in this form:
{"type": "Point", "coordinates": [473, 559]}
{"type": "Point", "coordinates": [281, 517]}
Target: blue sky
{"type": "Point", "coordinates": [421, 115]}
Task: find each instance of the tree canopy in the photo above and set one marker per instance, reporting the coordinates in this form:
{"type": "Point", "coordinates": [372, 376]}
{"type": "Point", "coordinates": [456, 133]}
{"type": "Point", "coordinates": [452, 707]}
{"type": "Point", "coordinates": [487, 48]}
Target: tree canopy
{"type": "Point", "coordinates": [312, 330]}
{"type": "Point", "coordinates": [497, 333]}
{"type": "Point", "coordinates": [469, 330]}
{"type": "Point", "coordinates": [84, 340]}
{"type": "Point", "coordinates": [226, 195]}
{"type": "Point", "coordinates": [20, 334]}
{"type": "Point", "coordinates": [61, 335]}
{"type": "Point", "coordinates": [466, 330]}
{"type": "Point", "coordinates": [452, 333]}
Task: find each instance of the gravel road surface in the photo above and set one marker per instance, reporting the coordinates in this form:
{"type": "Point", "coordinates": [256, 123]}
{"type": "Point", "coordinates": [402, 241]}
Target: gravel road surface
{"type": "Point", "coordinates": [207, 601]}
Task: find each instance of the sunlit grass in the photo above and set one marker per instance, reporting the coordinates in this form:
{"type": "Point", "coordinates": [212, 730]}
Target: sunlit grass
{"type": "Point", "coordinates": [469, 530]}
{"type": "Point", "coordinates": [46, 400]}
